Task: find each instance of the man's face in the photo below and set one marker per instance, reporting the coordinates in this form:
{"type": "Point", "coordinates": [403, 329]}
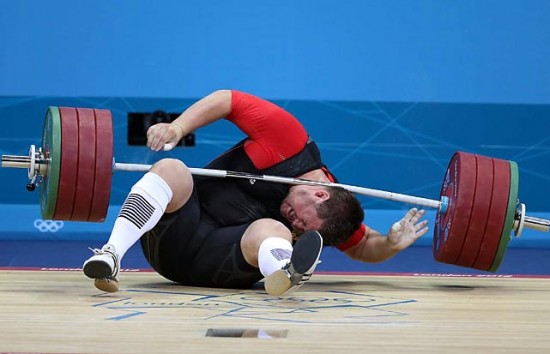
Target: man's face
{"type": "Point", "coordinates": [299, 207]}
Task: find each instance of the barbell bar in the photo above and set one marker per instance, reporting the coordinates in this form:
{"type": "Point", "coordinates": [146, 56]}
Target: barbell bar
{"type": "Point", "coordinates": [476, 214]}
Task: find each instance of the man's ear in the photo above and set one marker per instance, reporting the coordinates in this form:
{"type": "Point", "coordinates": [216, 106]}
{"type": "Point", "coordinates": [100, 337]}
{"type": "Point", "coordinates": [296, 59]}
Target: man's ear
{"type": "Point", "coordinates": [323, 194]}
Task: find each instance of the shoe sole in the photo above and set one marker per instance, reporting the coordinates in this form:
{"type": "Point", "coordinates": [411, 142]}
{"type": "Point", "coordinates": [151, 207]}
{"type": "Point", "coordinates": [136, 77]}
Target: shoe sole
{"type": "Point", "coordinates": [277, 283]}
{"type": "Point", "coordinates": [108, 285]}
{"type": "Point", "coordinates": [97, 269]}
{"type": "Point", "coordinates": [302, 260]}
{"type": "Point", "coordinates": [101, 273]}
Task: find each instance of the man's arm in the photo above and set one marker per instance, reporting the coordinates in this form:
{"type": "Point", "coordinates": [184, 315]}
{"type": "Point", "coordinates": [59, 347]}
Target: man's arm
{"type": "Point", "coordinates": [375, 247]}
{"type": "Point", "coordinates": [207, 110]}
{"type": "Point", "coordinates": [273, 133]}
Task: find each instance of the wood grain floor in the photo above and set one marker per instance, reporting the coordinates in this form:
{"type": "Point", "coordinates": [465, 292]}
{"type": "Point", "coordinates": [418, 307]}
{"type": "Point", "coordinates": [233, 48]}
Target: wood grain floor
{"type": "Point", "coordinates": [44, 311]}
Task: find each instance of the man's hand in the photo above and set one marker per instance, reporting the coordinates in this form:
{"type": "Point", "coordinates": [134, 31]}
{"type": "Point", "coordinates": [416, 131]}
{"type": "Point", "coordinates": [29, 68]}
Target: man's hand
{"type": "Point", "coordinates": [162, 134]}
{"type": "Point", "coordinates": [407, 230]}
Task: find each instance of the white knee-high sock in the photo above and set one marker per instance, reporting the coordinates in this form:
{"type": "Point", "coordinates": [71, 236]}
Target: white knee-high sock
{"type": "Point", "coordinates": [274, 253]}
{"type": "Point", "coordinates": [140, 212]}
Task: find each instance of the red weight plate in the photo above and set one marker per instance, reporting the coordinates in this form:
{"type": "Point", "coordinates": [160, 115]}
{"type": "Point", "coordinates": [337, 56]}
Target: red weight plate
{"type": "Point", "coordinates": [497, 215]}
{"type": "Point", "coordinates": [480, 212]}
{"type": "Point", "coordinates": [450, 227]}
{"type": "Point", "coordinates": [86, 164]}
{"type": "Point", "coordinates": [68, 165]}
{"type": "Point", "coordinates": [103, 165]}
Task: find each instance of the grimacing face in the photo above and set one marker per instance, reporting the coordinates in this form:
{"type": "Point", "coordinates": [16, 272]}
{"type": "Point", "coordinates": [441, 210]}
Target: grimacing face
{"type": "Point", "coordinates": [300, 207]}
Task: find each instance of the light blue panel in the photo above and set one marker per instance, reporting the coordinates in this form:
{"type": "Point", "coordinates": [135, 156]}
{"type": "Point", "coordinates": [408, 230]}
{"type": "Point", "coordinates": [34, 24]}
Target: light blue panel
{"type": "Point", "coordinates": [23, 222]}
{"type": "Point", "coordinates": [383, 50]}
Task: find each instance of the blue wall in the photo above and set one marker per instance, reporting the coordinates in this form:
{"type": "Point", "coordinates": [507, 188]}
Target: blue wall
{"type": "Point", "coordinates": [387, 50]}
{"type": "Point", "coordinates": [389, 89]}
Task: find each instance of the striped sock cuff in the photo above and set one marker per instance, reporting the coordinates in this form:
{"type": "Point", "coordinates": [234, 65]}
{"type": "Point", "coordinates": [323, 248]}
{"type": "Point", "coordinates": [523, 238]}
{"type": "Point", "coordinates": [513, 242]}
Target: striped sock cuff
{"type": "Point", "coordinates": [137, 210]}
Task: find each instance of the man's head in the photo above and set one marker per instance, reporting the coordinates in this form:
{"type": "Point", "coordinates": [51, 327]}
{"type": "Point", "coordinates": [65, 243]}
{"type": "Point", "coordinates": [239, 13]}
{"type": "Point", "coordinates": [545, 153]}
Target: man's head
{"type": "Point", "coordinates": [333, 211]}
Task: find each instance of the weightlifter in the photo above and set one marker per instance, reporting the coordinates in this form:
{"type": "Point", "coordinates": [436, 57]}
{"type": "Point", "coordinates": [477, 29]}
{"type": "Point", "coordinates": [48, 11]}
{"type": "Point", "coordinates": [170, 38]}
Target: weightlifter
{"type": "Point", "coordinates": [212, 232]}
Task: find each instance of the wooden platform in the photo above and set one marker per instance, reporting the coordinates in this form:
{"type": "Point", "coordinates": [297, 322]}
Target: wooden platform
{"type": "Point", "coordinates": [45, 311]}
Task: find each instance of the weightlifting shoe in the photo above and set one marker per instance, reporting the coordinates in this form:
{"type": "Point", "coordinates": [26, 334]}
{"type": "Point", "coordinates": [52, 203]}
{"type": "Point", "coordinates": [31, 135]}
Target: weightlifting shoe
{"type": "Point", "coordinates": [103, 266]}
{"type": "Point", "coordinates": [304, 259]}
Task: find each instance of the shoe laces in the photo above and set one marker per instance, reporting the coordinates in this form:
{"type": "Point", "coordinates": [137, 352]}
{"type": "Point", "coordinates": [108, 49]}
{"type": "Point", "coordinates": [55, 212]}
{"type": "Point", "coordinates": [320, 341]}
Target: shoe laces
{"type": "Point", "coordinates": [96, 251]}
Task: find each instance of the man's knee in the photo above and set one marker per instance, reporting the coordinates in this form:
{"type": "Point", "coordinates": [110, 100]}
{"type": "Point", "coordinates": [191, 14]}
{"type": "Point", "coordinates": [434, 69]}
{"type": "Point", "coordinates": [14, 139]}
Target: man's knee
{"type": "Point", "coordinates": [264, 228]}
{"type": "Point", "coordinates": [178, 177]}
{"type": "Point", "coordinates": [258, 231]}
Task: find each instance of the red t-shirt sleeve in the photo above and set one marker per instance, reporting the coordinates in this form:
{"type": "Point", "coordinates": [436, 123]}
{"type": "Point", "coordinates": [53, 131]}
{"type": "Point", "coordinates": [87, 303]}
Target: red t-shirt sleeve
{"type": "Point", "coordinates": [274, 134]}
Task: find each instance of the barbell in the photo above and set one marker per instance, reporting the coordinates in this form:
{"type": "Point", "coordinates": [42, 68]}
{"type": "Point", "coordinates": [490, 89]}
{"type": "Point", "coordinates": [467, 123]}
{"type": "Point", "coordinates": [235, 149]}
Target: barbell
{"type": "Point", "coordinates": [476, 214]}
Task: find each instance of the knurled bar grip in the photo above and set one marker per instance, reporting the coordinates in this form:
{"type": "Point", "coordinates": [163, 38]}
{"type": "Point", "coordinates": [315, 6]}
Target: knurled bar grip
{"type": "Point", "coordinates": [297, 181]}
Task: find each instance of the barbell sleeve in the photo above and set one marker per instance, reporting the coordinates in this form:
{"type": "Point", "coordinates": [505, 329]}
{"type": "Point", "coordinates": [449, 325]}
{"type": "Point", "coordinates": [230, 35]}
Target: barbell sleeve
{"type": "Point", "coordinates": [537, 224]}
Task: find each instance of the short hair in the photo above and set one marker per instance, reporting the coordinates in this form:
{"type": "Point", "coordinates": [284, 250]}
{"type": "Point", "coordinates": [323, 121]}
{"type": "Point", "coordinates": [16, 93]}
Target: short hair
{"type": "Point", "coordinates": [342, 215]}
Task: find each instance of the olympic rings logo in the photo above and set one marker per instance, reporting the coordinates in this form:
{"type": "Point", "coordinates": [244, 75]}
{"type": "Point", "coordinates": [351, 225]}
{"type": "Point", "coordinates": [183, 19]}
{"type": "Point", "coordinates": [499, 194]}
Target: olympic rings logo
{"type": "Point", "coordinates": [48, 225]}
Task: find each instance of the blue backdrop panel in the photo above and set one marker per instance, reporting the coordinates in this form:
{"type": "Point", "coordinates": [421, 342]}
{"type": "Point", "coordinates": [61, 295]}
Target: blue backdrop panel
{"type": "Point", "coordinates": [23, 222]}
{"type": "Point", "coordinates": [384, 50]}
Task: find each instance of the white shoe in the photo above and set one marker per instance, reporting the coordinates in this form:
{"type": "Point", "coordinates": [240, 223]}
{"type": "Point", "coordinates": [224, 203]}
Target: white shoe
{"type": "Point", "coordinates": [304, 259]}
{"type": "Point", "coordinates": [103, 266]}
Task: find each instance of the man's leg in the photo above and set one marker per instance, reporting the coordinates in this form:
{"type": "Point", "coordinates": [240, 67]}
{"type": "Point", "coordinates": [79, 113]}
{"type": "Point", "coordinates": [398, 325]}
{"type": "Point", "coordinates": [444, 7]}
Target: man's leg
{"type": "Point", "coordinates": [266, 244]}
{"type": "Point", "coordinates": [165, 188]}
{"type": "Point", "coordinates": [303, 260]}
